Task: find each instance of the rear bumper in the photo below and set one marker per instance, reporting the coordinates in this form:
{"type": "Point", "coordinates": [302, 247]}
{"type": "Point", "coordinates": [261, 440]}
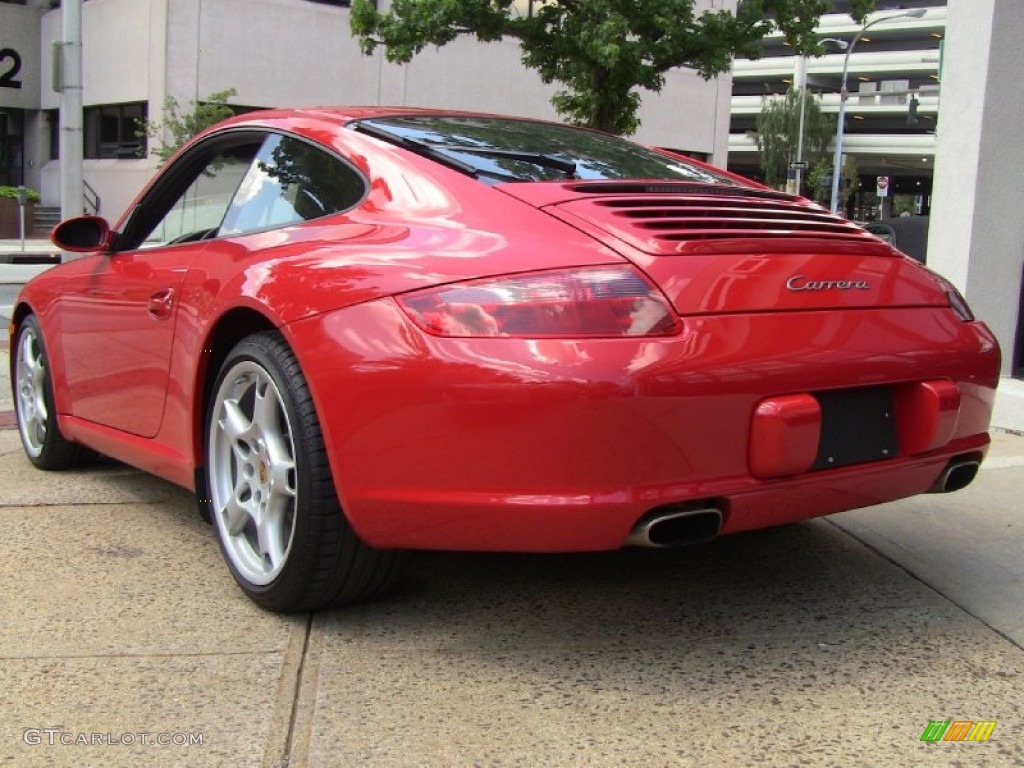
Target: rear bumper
{"type": "Point", "coordinates": [602, 520]}
{"type": "Point", "coordinates": [558, 445]}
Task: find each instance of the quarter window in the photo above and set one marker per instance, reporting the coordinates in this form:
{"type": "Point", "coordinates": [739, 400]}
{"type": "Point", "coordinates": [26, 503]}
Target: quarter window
{"type": "Point", "coordinates": [290, 182]}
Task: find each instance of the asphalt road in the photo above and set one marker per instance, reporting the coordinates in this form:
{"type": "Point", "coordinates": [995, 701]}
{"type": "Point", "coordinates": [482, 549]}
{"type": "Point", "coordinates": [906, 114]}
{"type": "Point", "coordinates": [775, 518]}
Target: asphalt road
{"type": "Point", "coordinates": [830, 643]}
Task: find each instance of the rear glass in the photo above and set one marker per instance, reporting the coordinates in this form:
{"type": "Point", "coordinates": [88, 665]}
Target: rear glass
{"type": "Point", "coordinates": [505, 149]}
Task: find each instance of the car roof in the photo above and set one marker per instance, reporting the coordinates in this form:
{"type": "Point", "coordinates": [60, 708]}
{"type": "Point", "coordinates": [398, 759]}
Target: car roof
{"type": "Point", "coordinates": [341, 115]}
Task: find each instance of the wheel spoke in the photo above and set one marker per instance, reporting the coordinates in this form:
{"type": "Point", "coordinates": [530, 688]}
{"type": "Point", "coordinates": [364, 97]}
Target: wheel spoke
{"type": "Point", "coordinates": [265, 408]}
{"type": "Point", "coordinates": [38, 372]}
{"type": "Point", "coordinates": [282, 478]}
{"type": "Point", "coordinates": [39, 403]}
{"type": "Point", "coordinates": [272, 532]}
{"type": "Point", "coordinates": [27, 356]}
{"type": "Point", "coordinates": [235, 423]}
{"type": "Point", "coordinates": [236, 514]}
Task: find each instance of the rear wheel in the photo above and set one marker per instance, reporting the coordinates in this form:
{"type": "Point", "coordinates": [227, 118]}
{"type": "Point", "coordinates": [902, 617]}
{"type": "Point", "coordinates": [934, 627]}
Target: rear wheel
{"type": "Point", "coordinates": [271, 494]}
{"type": "Point", "coordinates": [44, 445]}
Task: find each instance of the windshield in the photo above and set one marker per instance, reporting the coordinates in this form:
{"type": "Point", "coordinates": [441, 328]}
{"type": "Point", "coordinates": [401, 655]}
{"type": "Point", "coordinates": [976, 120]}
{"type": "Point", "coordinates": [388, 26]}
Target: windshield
{"type": "Point", "coordinates": [504, 149]}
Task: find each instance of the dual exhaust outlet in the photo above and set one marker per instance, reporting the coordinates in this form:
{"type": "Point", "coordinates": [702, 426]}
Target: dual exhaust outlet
{"type": "Point", "coordinates": [677, 525]}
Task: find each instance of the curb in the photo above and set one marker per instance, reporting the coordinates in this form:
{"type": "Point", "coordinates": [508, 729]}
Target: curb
{"type": "Point", "coordinates": [30, 257]}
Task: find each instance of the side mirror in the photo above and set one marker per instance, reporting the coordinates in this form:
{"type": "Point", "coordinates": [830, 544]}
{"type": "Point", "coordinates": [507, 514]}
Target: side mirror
{"type": "Point", "coordinates": [884, 231]}
{"type": "Point", "coordinates": [83, 234]}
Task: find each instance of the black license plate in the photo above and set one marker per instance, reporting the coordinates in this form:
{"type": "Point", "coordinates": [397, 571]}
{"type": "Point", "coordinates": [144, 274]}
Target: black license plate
{"type": "Point", "coordinates": [857, 425]}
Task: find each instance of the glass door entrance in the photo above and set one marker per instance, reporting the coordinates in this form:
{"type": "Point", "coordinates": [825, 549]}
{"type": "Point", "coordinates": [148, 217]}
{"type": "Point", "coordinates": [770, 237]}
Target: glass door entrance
{"type": "Point", "coordinates": [11, 147]}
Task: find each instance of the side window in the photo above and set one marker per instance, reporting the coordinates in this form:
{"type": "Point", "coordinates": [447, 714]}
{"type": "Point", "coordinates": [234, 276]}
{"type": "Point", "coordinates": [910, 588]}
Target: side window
{"type": "Point", "coordinates": [198, 213]}
{"type": "Point", "coordinates": [291, 181]}
{"type": "Point", "coordinates": [191, 196]}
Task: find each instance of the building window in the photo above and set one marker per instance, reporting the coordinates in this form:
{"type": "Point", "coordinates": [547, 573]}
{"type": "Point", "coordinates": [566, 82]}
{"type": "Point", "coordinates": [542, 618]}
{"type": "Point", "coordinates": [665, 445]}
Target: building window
{"type": "Point", "coordinates": [53, 124]}
{"type": "Point", "coordinates": [113, 131]}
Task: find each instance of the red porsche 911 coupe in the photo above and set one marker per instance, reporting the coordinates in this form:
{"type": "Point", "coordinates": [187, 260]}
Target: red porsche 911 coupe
{"type": "Point", "coordinates": [360, 331]}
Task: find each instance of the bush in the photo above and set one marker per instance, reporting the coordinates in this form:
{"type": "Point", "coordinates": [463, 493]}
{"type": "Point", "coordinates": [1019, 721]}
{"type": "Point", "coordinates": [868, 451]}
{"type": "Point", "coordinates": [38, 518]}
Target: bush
{"type": "Point", "coordinates": [12, 193]}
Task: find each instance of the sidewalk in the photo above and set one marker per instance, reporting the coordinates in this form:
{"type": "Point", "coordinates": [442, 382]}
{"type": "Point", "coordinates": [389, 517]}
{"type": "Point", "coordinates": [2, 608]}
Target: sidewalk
{"type": "Point", "coordinates": [833, 642]}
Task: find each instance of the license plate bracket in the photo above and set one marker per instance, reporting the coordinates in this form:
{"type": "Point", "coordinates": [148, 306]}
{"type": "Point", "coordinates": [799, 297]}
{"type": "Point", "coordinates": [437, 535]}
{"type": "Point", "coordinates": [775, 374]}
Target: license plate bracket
{"type": "Point", "coordinates": [857, 426]}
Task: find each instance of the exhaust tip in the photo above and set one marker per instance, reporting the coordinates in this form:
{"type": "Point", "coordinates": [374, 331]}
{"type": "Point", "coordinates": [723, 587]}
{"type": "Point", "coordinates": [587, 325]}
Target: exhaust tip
{"type": "Point", "coordinates": [676, 526]}
{"type": "Point", "coordinates": [958, 474]}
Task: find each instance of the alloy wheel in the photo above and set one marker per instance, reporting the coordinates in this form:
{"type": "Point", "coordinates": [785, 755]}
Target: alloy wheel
{"type": "Point", "coordinates": [252, 473]}
{"type": "Point", "coordinates": [30, 385]}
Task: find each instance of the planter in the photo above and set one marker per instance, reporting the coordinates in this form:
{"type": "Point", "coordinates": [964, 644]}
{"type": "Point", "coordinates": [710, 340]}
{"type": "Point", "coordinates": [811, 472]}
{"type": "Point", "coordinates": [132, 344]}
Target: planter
{"type": "Point", "coordinates": [10, 219]}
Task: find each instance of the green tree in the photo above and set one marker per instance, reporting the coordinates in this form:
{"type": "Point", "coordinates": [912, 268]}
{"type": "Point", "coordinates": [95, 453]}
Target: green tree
{"type": "Point", "coordinates": [602, 52]}
{"type": "Point", "coordinates": [777, 134]}
{"type": "Point", "coordinates": [819, 180]}
{"type": "Point", "coordinates": [904, 204]}
{"type": "Point", "coordinates": [183, 126]}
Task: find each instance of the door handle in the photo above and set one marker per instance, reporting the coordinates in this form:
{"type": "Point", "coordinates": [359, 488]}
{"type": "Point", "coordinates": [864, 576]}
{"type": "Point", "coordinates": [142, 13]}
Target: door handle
{"type": "Point", "coordinates": [161, 303]}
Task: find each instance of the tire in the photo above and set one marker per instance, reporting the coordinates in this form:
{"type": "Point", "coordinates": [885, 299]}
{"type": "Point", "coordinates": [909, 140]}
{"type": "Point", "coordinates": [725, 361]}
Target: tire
{"type": "Point", "coordinates": [40, 433]}
{"type": "Point", "coordinates": [275, 511]}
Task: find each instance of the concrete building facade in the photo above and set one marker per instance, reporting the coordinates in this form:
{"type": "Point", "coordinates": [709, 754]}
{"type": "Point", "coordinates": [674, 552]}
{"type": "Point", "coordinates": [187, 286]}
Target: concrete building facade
{"type": "Point", "coordinates": [976, 237]}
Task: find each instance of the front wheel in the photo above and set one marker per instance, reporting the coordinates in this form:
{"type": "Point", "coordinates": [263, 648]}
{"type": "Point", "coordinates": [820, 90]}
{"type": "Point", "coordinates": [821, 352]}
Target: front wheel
{"type": "Point", "coordinates": [44, 445]}
{"type": "Point", "coordinates": [274, 507]}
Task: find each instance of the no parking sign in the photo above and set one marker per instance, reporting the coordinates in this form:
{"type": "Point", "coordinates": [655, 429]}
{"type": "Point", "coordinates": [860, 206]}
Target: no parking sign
{"type": "Point", "coordinates": [882, 186]}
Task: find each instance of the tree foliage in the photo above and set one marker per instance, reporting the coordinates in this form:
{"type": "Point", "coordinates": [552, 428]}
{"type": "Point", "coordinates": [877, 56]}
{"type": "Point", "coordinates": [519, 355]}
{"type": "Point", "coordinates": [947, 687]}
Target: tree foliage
{"type": "Point", "coordinates": [183, 126]}
{"type": "Point", "coordinates": [11, 193]}
{"type": "Point", "coordinates": [777, 134]}
{"type": "Point", "coordinates": [602, 52]}
{"type": "Point", "coordinates": [819, 180]}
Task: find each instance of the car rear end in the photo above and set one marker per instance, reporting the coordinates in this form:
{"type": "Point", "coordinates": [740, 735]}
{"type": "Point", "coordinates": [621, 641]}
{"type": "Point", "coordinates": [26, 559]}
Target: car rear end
{"type": "Point", "coordinates": [725, 358]}
{"type": "Point", "coordinates": [808, 368]}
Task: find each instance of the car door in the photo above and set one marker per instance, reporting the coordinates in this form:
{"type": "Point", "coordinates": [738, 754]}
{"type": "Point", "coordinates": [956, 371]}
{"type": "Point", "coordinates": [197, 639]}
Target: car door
{"type": "Point", "coordinates": [119, 309]}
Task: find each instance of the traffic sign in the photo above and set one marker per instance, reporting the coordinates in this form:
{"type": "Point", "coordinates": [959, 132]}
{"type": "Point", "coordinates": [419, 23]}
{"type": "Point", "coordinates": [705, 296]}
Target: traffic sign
{"type": "Point", "coordinates": [799, 165]}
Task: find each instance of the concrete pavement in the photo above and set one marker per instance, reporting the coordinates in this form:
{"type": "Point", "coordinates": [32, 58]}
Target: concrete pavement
{"type": "Point", "coordinates": [831, 643]}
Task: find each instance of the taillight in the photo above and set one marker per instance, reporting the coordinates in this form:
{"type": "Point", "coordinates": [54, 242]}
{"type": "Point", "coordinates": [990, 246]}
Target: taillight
{"type": "Point", "coordinates": [956, 299]}
{"type": "Point", "coordinates": [611, 301]}
{"type": "Point", "coordinates": [959, 305]}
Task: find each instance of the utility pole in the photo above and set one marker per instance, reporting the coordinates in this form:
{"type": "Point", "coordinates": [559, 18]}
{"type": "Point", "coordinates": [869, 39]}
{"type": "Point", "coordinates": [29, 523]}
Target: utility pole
{"type": "Point", "coordinates": [71, 142]}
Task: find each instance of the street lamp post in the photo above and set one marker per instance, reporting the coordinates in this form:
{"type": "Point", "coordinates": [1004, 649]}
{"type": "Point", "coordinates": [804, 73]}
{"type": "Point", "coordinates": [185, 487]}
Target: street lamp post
{"type": "Point", "coordinates": [837, 160]}
{"type": "Point", "coordinates": [801, 81]}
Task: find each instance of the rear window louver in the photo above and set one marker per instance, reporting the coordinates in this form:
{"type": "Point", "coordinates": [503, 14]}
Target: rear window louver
{"type": "Point", "coordinates": [675, 188]}
{"type": "Point", "coordinates": [727, 214]}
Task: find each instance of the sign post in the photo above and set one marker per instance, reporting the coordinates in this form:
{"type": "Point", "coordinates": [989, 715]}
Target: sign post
{"type": "Point", "coordinates": [882, 188]}
{"type": "Point", "coordinates": [22, 201]}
